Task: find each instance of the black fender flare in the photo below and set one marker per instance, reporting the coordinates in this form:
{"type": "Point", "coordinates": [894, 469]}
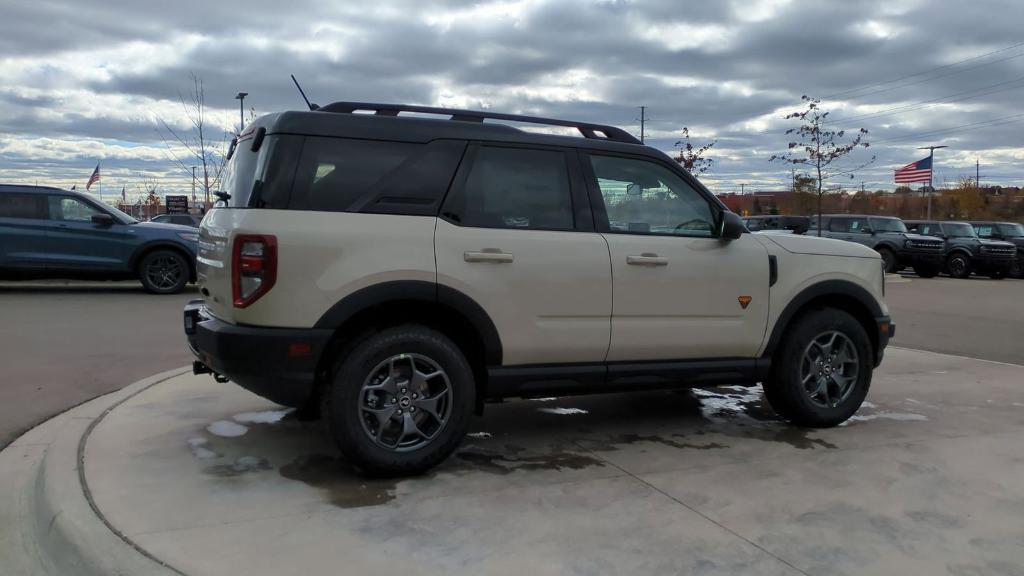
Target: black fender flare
{"type": "Point", "coordinates": [417, 290]}
{"type": "Point", "coordinates": [959, 250]}
{"type": "Point", "coordinates": [888, 245]}
{"type": "Point", "coordinates": [844, 288]}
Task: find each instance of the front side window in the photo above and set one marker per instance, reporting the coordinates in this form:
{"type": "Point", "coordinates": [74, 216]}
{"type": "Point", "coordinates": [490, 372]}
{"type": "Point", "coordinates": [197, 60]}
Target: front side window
{"type": "Point", "coordinates": [984, 230]}
{"type": "Point", "coordinates": [888, 225]}
{"type": "Point", "coordinates": [1012, 230]}
{"type": "Point", "coordinates": [958, 230]}
{"type": "Point", "coordinates": [68, 209]}
{"type": "Point", "coordinates": [645, 197]}
{"type": "Point", "coordinates": [839, 225]}
{"type": "Point", "coordinates": [515, 188]}
{"type": "Point", "coordinates": [15, 205]}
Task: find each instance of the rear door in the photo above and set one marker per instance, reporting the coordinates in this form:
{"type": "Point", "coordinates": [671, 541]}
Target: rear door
{"type": "Point", "coordinates": [516, 236]}
{"type": "Point", "coordinates": [75, 243]}
{"type": "Point", "coordinates": [680, 292]}
{"type": "Point", "coordinates": [838, 228]}
{"type": "Point", "coordinates": [22, 231]}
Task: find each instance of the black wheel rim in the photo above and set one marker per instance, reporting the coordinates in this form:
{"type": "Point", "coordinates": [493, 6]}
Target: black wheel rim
{"type": "Point", "coordinates": [957, 265]}
{"type": "Point", "coordinates": [405, 402]}
{"type": "Point", "coordinates": [829, 369]}
{"type": "Point", "coordinates": [165, 272]}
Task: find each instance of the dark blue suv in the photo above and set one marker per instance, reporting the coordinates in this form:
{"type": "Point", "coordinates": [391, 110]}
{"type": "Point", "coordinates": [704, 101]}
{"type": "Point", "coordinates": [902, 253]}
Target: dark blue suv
{"type": "Point", "coordinates": [53, 233]}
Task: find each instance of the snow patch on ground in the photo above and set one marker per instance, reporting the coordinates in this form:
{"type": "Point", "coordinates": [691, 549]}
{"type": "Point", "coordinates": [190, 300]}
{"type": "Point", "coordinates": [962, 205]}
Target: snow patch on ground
{"type": "Point", "coordinates": [714, 403]}
{"type": "Point", "coordinates": [226, 429]}
{"type": "Point", "coordinates": [867, 404]}
{"type": "Point", "coordinates": [901, 416]}
{"type": "Point", "coordinates": [265, 417]}
{"type": "Point", "coordinates": [562, 411]}
{"type": "Point", "coordinates": [197, 446]}
{"type": "Point", "coordinates": [479, 434]}
{"type": "Point", "coordinates": [543, 399]}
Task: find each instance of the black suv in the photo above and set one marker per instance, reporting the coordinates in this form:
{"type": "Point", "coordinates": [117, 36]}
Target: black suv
{"type": "Point", "coordinates": [889, 237]}
{"type": "Point", "coordinates": [793, 224]}
{"type": "Point", "coordinates": [965, 252]}
{"type": "Point", "coordinates": [1010, 232]}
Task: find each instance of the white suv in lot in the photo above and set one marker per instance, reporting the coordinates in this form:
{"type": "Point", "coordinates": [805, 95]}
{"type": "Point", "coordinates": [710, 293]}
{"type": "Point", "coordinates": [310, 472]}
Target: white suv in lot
{"type": "Point", "coordinates": [397, 269]}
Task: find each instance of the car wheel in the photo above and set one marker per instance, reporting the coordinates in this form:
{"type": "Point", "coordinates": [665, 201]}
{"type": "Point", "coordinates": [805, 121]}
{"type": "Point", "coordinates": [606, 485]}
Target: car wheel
{"type": "Point", "coordinates": [958, 266]}
{"type": "Point", "coordinates": [822, 372]}
{"type": "Point", "coordinates": [400, 402]}
{"type": "Point", "coordinates": [163, 272]}
{"type": "Point", "coordinates": [926, 271]}
{"type": "Point", "coordinates": [889, 259]}
{"type": "Point", "coordinates": [1017, 269]}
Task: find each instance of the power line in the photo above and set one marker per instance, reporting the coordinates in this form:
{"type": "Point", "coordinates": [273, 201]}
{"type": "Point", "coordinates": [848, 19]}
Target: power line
{"type": "Point", "coordinates": [960, 128]}
{"type": "Point", "coordinates": [957, 63]}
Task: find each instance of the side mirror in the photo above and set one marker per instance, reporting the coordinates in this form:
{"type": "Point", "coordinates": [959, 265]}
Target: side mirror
{"type": "Point", "coordinates": [634, 190]}
{"type": "Point", "coordinates": [103, 219]}
{"type": "Point", "coordinates": [730, 226]}
{"type": "Point", "coordinates": [867, 230]}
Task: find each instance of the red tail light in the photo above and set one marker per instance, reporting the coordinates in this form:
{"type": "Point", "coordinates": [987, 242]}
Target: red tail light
{"type": "Point", "coordinates": [253, 267]}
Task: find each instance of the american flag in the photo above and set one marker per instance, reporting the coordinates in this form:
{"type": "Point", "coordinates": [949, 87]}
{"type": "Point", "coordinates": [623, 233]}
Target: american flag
{"type": "Point", "coordinates": [94, 178]}
{"type": "Point", "coordinates": [920, 171]}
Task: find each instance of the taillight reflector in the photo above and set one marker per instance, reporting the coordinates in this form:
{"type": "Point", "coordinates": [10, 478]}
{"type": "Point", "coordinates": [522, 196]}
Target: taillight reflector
{"type": "Point", "coordinates": [253, 267]}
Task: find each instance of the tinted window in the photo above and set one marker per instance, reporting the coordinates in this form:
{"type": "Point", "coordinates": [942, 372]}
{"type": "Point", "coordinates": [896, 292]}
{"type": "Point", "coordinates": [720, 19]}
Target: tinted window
{"type": "Point", "coordinates": [70, 209]}
{"type": "Point", "coordinates": [887, 225]}
{"type": "Point", "coordinates": [646, 197]}
{"type": "Point", "coordinates": [515, 188]}
{"type": "Point", "coordinates": [839, 225]}
{"type": "Point", "coordinates": [1011, 230]}
{"type": "Point", "coordinates": [14, 205]}
{"type": "Point", "coordinates": [984, 230]}
{"type": "Point", "coordinates": [957, 230]}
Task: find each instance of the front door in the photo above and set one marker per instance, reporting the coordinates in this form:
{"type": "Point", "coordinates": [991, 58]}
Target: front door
{"type": "Point", "coordinates": [516, 236]}
{"type": "Point", "coordinates": [680, 292]}
{"type": "Point", "coordinates": [75, 243]}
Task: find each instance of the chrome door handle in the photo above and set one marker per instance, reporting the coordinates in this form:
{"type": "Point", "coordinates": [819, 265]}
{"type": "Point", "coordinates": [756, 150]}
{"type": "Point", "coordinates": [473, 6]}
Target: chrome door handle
{"type": "Point", "coordinates": [647, 259]}
{"type": "Point", "coordinates": [488, 255]}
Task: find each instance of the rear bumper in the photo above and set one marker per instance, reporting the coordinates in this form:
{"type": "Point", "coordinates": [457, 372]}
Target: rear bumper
{"type": "Point", "coordinates": [279, 364]}
{"type": "Point", "coordinates": [886, 331]}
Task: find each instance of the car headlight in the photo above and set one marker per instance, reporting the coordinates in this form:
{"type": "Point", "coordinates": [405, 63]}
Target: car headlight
{"type": "Point", "coordinates": [189, 236]}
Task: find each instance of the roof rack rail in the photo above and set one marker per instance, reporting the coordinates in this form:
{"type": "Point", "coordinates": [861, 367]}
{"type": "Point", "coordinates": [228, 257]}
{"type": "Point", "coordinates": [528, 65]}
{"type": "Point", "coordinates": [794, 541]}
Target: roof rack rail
{"type": "Point", "coordinates": [593, 131]}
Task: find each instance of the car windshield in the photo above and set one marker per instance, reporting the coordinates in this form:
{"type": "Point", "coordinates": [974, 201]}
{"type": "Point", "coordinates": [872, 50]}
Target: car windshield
{"type": "Point", "coordinates": [1012, 230]}
{"type": "Point", "coordinates": [887, 225]}
{"type": "Point", "coordinates": [959, 230]}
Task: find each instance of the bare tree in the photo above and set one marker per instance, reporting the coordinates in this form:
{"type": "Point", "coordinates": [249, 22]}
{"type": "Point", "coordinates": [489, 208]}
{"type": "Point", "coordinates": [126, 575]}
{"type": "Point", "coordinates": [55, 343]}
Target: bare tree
{"type": "Point", "coordinates": [197, 145]}
{"type": "Point", "coordinates": [817, 147]}
{"type": "Point", "coordinates": [692, 158]}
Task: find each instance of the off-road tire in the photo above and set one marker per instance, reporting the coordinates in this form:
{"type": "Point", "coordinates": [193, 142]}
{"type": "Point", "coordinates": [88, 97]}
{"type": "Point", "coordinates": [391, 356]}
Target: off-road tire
{"type": "Point", "coordinates": [958, 265]}
{"type": "Point", "coordinates": [889, 259]}
{"type": "Point", "coordinates": [153, 267]}
{"type": "Point", "coordinates": [1017, 268]}
{"type": "Point", "coordinates": [784, 390]}
{"type": "Point", "coordinates": [341, 400]}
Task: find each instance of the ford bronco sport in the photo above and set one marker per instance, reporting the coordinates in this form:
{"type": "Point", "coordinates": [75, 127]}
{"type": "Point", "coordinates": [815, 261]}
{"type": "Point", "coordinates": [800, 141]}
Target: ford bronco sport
{"type": "Point", "coordinates": [966, 252]}
{"type": "Point", "coordinates": [890, 238]}
{"type": "Point", "coordinates": [397, 269]}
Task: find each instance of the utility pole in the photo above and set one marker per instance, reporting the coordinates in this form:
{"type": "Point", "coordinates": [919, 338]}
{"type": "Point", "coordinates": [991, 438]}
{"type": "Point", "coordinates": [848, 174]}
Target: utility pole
{"type": "Point", "coordinates": [241, 110]}
{"type": "Point", "coordinates": [931, 161]}
{"type": "Point", "coordinates": [792, 173]}
{"type": "Point", "coordinates": [193, 184]}
{"type": "Point", "coordinates": [643, 119]}
{"type": "Point", "coordinates": [741, 188]}
{"type": "Point", "coordinates": [977, 174]}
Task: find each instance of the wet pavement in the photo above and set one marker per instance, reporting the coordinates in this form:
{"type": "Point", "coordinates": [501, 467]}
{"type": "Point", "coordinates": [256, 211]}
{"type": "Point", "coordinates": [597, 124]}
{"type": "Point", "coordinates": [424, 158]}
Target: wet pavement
{"type": "Point", "coordinates": [927, 478]}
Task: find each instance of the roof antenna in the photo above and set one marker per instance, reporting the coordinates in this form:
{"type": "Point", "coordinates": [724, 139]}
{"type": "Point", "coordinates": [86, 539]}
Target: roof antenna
{"type": "Point", "coordinates": [308, 103]}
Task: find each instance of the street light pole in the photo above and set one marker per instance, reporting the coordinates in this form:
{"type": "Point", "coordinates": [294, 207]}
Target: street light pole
{"type": "Point", "coordinates": [931, 173]}
{"type": "Point", "coordinates": [241, 110]}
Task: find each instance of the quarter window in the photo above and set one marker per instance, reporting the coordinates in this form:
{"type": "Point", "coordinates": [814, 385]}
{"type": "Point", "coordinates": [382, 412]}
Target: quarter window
{"type": "Point", "coordinates": [515, 188]}
{"type": "Point", "coordinates": [647, 198]}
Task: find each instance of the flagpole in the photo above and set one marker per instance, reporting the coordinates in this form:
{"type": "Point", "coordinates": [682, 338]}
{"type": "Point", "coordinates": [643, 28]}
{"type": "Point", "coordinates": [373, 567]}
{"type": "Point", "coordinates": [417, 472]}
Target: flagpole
{"type": "Point", "coordinates": [931, 174]}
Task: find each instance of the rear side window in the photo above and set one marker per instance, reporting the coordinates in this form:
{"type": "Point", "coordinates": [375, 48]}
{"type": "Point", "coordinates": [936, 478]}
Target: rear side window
{"type": "Point", "coordinates": [514, 188]}
{"type": "Point", "coordinates": [15, 205]}
{"type": "Point", "coordinates": [839, 225]}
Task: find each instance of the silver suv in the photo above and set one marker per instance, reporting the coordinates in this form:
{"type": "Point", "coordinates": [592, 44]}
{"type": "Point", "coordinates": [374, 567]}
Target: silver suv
{"type": "Point", "coordinates": [393, 272]}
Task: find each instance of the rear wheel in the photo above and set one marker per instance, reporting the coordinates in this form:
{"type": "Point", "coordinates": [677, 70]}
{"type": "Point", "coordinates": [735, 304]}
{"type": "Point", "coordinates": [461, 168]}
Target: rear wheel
{"type": "Point", "coordinates": [400, 401]}
{"type": "Point", "coordinates": [1017, 268]}
{"type": "Point", "coordinates": [821, 373]}
{"type": "Point", "coordinates": [889, 259]}
{"type": "Point", "coordinates": [163, 272]}
{"type": "Point", "coordinates": [958, 265]}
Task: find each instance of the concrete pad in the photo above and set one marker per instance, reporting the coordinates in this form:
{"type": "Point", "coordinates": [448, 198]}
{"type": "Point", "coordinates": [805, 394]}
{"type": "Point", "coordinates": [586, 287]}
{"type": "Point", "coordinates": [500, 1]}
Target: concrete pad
{"type": "Point", "coordinates": [928, 477]}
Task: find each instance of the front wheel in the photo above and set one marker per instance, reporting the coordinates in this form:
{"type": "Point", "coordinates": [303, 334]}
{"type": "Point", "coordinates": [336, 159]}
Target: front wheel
{"type": "Point", "coordinates": [400, 402]}
{"type": "Point", "coordinates": [821, 373]}
{"type": "Point", "coordinates": [1017, 268]}
{"type": "Point", "coordinates": [958, 266]}
{"type": "Point", "coordinates": [163, 272]}
{"type": "Point", "coordinates": [889, 260]}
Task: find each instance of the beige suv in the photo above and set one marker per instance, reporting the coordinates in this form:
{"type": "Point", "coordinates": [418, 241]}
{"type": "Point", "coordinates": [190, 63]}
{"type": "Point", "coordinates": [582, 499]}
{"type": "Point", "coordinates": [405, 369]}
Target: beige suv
{"type": "Point", "coordinates": [397, 269]}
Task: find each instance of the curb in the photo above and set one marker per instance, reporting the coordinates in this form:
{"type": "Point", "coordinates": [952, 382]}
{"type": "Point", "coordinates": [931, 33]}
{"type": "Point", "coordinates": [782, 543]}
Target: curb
{"type": "Point", "coordinates": [48, 521]}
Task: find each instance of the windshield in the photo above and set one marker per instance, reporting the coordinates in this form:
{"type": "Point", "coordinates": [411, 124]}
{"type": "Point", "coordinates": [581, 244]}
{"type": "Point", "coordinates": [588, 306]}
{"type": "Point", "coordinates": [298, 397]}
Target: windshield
{"type": "Point", "coordinates": [124, 218]}
{"type": "Point", "coordinates": [887, 225]}
{"type": "Point", "coordinates": [1012, 230]}
{"type": "Point", "coordinates": [959, 230]}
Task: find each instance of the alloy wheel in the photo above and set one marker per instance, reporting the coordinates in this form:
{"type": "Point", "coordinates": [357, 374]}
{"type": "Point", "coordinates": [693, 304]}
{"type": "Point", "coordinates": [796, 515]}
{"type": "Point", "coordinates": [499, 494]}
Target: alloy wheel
{"type": "Point", "coordinates": [405, 402]}
{"type": "Point", "coordinates": [829, 368]}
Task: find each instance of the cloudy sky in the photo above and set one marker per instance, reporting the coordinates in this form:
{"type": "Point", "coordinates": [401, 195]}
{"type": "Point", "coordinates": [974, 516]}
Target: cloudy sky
{"type": "Point", "coordinates": [85, 81]}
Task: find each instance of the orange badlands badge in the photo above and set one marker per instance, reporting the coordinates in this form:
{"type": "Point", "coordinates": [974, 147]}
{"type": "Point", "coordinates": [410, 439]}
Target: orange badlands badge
{"type": "Point", "coordinates": [744, 301]}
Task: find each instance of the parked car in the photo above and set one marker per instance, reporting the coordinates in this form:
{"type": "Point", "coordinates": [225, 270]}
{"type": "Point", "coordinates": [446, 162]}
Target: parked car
{"type": "Point", "coordinates": [183, 219]}
{"type": "Point", "coordinates": [965, 252]}
{"type": "Point", "coordinates": [1010, 232]}
{"type": "Point", "coordinates": [778, 223]}
{"type": "Point", "coordinates": [889, 237]}
{"type": "Point", "coordinates": [398, 271]}
{"type": "Point", "coordinates": [53, 233]}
